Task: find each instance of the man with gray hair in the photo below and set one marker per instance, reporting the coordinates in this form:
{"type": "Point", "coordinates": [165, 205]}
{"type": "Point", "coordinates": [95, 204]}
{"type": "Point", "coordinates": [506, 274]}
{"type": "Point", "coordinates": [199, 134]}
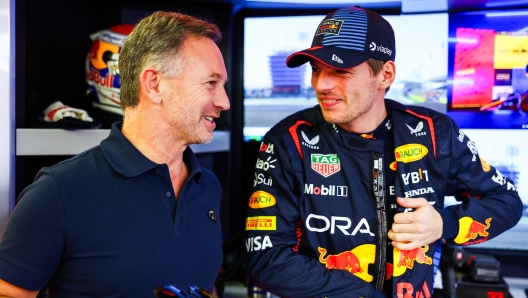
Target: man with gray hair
{"type": "Point", "coordinates": [137, 211]}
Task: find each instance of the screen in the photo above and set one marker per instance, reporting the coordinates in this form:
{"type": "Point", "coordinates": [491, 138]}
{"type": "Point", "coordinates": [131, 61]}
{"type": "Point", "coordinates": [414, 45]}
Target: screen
{"type": "Point", "coordinates": [507, 151]}
{"type": "Point", "coordinates": [488, 69]}
{"type": "Point", "coordinates": [273, 91]}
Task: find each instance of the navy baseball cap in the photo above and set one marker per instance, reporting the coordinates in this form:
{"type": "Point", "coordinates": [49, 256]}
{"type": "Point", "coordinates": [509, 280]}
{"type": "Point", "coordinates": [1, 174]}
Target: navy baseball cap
{"type": "Point", "coordinates": [347, 37]}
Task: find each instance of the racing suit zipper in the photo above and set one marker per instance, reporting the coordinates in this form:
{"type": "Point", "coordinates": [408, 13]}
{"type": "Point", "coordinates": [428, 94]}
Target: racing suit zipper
{"type": "Point", "coordinates": [378, 189]}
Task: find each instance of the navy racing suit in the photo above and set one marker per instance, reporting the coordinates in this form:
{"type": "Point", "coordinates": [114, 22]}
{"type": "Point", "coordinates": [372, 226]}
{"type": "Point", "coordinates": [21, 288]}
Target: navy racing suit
{"type": "Point", "coordinates": [316, 223]}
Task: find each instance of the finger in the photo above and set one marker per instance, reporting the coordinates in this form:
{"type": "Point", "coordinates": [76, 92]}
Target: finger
{"type": "Point", "coordinates": [403, 228]}
{"type": "Point", "coordinates": [412, 202]}
{"type": "Point", "coordinates": [405, 245]}
{"type": "Point", "coordinates": [403, 218]}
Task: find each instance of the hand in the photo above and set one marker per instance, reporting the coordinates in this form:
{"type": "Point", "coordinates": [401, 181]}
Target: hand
{"type": "Point", "coordinates": [413, 229]}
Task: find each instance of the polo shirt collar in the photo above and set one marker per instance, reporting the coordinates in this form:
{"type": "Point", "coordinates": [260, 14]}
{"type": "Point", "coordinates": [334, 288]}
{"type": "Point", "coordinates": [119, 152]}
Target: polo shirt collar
{"type": "Point", "coordinates": [130, 162]}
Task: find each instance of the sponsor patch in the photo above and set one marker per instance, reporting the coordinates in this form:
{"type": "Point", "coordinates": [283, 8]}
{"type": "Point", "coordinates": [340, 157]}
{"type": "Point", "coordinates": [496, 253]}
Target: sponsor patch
{"type": "Point", "coordinates": [310, 143]}
{"type": "Point", "coordinates": [325, 164]}
{"type": "Point", "coordinates": [418, 192]}
{"type": "Point", "coordinates": [261, 223]}
{"type": "Point", "coordinates": [258, 243]}
{"type": "Point", "coordinates": [410, 152]}
{"type": "Point", "coordinates": [329, 27]}
{"type": "Point", "coordinates": [485, 165]}
{"type": "Point", "coordinates": [261, 199]}
{"type": "Point", "coordinates": [470, 229]}
{"type": "Point", "coordinates": [328, 190]}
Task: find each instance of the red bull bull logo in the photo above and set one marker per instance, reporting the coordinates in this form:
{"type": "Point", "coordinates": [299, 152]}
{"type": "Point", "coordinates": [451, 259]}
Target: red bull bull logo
{"type": "Point", "coordinates": [408, 257]}
{"type": "Point", "coordinates": [470, 229]}
{"type": "Point", "coordinates": [349, 260]}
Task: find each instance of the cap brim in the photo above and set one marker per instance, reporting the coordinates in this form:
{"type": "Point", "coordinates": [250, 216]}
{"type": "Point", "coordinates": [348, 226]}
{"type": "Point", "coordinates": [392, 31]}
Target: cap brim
{"type": "Point", "coordinates": [331, 56]}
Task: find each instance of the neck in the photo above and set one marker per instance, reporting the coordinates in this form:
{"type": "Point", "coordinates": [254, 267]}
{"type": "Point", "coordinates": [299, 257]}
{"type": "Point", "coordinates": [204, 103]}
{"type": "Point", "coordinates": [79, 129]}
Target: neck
{"type": "Point", "coordinates": [152, 136]}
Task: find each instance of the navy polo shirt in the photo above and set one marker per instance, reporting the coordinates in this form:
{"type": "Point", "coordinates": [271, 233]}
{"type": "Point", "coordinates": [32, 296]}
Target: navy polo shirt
{"type": "Point", "coordinates": [106, 223]}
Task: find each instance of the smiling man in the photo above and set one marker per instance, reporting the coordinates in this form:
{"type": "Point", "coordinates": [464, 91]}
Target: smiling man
{"type": "Point", "coordinates": [137, 211]}
{"type": "Point", "coordinates": [356, 208]}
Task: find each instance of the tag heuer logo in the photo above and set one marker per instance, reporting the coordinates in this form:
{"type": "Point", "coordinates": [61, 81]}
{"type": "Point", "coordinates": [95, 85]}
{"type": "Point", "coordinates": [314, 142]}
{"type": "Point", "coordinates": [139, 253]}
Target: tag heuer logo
{"type": "Point", "coordinates": [326, 165]}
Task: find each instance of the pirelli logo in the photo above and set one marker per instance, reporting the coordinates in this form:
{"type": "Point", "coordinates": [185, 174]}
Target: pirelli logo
{"type": "Point", "coordinates": [261, 223]}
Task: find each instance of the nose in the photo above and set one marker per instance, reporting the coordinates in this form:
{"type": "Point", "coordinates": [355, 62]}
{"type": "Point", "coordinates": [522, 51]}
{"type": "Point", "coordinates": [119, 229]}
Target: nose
{"type": "Point", "coordinates": [222, 101]}
{"type": "Point", "coordinates": [322, 81]}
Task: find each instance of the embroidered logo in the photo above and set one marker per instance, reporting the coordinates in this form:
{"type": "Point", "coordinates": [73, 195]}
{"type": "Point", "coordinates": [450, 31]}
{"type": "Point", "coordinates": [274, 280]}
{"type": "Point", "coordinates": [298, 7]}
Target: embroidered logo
{"type": "Point", "coordinates": [326, 164]}
{"type": "Point", "coordinates": [310, 143]}
{"type": "Point", "coordinates": [336, 59]}
{"type": "Point", "coordinates": [418, 130]}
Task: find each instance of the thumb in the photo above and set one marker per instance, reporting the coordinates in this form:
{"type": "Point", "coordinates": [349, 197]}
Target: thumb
{"type": "Point", "coordinates": [412, 202]}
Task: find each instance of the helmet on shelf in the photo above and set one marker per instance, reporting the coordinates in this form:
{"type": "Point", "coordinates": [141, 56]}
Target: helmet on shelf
{"type": "Point", "coordinates": [102, 72]}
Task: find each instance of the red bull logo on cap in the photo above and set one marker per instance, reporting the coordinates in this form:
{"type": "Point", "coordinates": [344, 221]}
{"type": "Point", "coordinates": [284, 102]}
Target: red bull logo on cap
{"type": "Point", "coordinates": [354, 261]}
{"type": "Point", "coordinates": [471, 229]}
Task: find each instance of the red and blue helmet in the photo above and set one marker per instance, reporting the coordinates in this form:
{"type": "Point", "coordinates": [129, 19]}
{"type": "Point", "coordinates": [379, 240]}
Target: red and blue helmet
{"type": "Point", "coordinates": [102, 71]}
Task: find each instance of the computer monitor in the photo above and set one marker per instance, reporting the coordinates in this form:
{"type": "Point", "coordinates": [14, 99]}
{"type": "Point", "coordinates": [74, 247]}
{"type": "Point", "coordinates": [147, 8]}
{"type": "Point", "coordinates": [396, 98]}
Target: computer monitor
{"type": "Point", "coordinates": [488, 69]}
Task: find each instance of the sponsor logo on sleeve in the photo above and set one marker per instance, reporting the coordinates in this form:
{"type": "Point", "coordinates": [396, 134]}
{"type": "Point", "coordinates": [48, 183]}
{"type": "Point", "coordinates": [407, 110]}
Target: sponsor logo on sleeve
{"type": "Point", "coordinates": [499, 178]}
{"type": "Point", "coordinates": [473, 148]}
{"type": "Point", "coordinates": [485, 165]}
{"type": "Point", "coordinates": [325, 164]}
{"type": "Point", "coordinates": [461, 136]}
{"type": "Point", "coordinates": [261, 199]}
{"type": "Point", "coordinates": [470, 229]}
{"type": "Point", "coordinates": [265, 164]}
{"type": "Point", "coordinates": [410, 152]}
{"type": "Point", "coordinates": [261, 179]}
{"type": "Point", "coordinates": [258, 243]}
{"type": "Point", "coordinates": [261, 223]}
{"type": "Point", "coordinates": [418, 192]}
{"type": "Point", "coordinates": [267, 148]}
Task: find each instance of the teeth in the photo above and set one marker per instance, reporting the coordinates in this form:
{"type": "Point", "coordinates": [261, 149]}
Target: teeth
{"type": "Point", "coordinates": [208, 118]}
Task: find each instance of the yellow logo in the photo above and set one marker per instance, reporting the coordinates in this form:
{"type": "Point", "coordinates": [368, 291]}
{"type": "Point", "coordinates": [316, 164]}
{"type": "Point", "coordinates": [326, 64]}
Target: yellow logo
{"type": "Point", "coordinates": [485, 165]}
{"type": "Point", "coordinates": [410, 152]}
{"type": "Point", "coordinates": [470, 229]}
{"type": "Point", "coordinates": [261, 223]}
{"type": "Point", "coordinates": [261, 199]}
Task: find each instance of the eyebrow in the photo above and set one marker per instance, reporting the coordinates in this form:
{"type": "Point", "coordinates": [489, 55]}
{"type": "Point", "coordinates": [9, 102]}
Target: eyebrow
{"type": "Point", "coordinates": [216, 76]}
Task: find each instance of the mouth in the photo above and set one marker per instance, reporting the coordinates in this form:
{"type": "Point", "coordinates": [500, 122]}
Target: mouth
{"type": "Point", "coordinates": [210, 119]}
{"type": "Point", "coordinates": [328, 102]}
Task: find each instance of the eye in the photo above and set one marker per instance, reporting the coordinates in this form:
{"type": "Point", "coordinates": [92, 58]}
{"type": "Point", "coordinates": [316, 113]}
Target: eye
{"type": "Point", "coordinates": [339, 71]}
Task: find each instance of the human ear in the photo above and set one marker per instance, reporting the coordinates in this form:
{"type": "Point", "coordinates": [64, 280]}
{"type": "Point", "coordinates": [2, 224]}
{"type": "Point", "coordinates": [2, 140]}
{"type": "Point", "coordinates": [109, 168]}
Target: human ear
{"type": "Point", "coordinates": [149, 80]}
{"type": "Point", "coordinates": [388, 74]}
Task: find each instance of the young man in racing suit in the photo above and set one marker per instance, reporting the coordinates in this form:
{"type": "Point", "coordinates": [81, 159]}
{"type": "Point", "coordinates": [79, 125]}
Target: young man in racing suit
{"type": "Point", "coordinates": [348, 197]}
